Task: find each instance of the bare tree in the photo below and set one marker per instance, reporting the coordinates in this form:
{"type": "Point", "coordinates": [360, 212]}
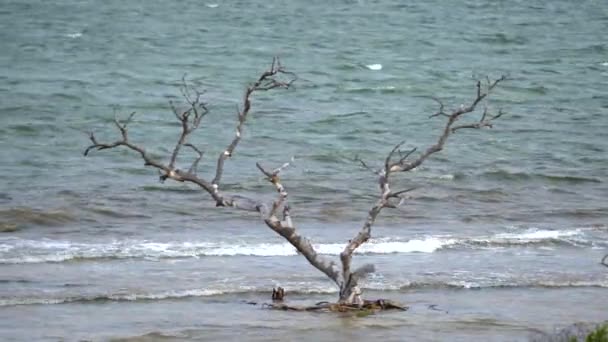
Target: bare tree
{"type": "Point", "coordinates": [277, 215]}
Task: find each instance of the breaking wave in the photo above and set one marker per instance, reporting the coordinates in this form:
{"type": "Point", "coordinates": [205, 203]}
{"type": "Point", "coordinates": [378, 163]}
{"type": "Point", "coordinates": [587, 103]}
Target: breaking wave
{"type": "Point", "coordinates": [16, 251]}
{"type": "Point", "coordinates": [27, 216]}
{"type": "Point", "coordinates": [164, 295]}
{"type": "Point", "coordinates": [464, 284]}
{"type": "Point", "coordinates": [294, 290]}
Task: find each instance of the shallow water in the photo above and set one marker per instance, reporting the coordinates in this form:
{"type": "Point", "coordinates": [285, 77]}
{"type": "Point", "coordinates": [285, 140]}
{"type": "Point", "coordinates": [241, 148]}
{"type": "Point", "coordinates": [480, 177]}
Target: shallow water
{"type": "Point", "coordinates": [504, 236]}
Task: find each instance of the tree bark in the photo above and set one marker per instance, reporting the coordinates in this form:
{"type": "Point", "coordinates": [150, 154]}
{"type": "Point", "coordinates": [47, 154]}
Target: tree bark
{"type": "Point", "coordinates": [346, 279]}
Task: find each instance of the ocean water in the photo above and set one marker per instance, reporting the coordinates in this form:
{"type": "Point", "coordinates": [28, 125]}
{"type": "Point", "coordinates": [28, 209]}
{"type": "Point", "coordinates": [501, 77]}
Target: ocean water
{"type": "Point", "coordinates": [501, 241]}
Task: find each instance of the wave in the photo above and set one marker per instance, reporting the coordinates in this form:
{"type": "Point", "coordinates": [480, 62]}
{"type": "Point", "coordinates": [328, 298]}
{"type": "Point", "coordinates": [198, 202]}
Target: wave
{"type": "Point", "coordinates": [115, 297]}
{"type": "Point", "coordinates": [472, 285]}
{"type": "Point", "coordinates": [374, 89]}
{"type": "Point", "coordinates": [518, 176]}
{"type": "Point", "coordinates": [19, 251]}
{"type": "Point", "coordinates": [155, 296]}
{"type": "Point", "coordinates": [25, 216]}
{"type": "Point", "coordinates": [532, 237]}
{"type": "Point", "coordinates": [295, 290]}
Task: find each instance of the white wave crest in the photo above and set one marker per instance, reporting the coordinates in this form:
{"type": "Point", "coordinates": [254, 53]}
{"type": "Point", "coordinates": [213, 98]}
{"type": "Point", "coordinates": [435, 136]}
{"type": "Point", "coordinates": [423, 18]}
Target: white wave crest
{"type": "Point", "coordinates": [39, 251]}
{"type": "Point", "coordinates": [18, 251]}
{"type": "Point", "coordinates": [374, 67]}
{"type": "Point", "coordinates": [306, 288]}
{"type": "Point", "coordinates": [534, 235]}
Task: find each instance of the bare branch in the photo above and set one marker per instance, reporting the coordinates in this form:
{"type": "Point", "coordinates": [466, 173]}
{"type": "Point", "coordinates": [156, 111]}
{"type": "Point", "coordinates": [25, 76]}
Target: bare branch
{"type": "Point", "coordinates": [399, 193]}
{"type": "Point", "coordinates": [284, 166]}
{"type": "Point", "coordinates": [485, 113]}
{"type": "Point", "coordinates": [267, 81]}
{"type": "Point", "coordinates": [387, 161]}
{"type": "Point", "coordinates": [266, 173]}
{"type": "Point", "coordinates": [385, 196]}
{"type": "Point", "coordinates": [286, 229]}
{"type": "Point", "coordinates": [200, 154]}
{"type": "Point", "coordinates": [402, 162]}
{"type": "Point", "coordinates": [362, 237]}
{"type": "Point", "coordinates": [452, 118]}
{"type": "Point", "coordinates": [476, 125]}
{"type": "Point", "coordinates": [365, 166]}
{"type": "Point", "coordinates": [441, 110]}
{"type": "Point", "coordinates": [363, 271]}
{"type": "Point", "coordinates": [190, 120]}
{"type": "Point", "coordinates": [189, 125]}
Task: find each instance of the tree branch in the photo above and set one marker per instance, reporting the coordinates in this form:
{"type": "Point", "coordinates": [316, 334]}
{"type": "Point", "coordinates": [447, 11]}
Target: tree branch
{"type": "Point", "coordinates": [402, 165]}
{"type": "Point", "coordinates": [365, 166]}
{"type": "Point", "coordinates": [200, 154]}
{"type": "Point", "coordinates": [287, 230]}
{"type": "Point", "coordinates": [267, 81]}
{"type": "Point", "coordinates": [452, 118]}
{"type": "Point", "coordinates": [190, 120]}
{"type": "Point", "coordinates": [189, 125]}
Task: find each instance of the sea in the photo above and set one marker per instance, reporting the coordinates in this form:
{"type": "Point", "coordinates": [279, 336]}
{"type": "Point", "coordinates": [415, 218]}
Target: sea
{"type": "Point", "coordinates": [501, 240]}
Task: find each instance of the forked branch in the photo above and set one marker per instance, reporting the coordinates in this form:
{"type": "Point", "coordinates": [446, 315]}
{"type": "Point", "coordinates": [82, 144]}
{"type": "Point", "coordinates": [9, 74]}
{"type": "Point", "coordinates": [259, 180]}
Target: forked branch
{"type": "Point", "coordinates": [287, 230]}
{"type": "Point", "coordinates": [398, 161]}
{"type": "Point", "coordinates": [267, 81]}
{"type": "Point", "coordinates": [486, 121]}
{"type": "Point", "coordinates": [190, 120]}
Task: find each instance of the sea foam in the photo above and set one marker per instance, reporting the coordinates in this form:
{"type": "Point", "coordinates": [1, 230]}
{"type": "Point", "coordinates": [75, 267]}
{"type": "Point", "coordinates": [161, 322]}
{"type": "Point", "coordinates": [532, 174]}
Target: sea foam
{"type": "Point", "coordinates": [16, 250]}
{"type": "Point", "coordinates": [37, 251]}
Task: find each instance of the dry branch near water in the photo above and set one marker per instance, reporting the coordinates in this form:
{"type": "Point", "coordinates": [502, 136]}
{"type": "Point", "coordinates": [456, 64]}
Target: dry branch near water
{"type": "Point", "coordinates": [366, 306]}
{"type": "Point", "coordinates": [277, 215]}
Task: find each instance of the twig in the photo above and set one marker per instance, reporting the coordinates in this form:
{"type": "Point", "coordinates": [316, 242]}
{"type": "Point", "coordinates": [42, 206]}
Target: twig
{"type": "Point", "coordinates": [267, 81]}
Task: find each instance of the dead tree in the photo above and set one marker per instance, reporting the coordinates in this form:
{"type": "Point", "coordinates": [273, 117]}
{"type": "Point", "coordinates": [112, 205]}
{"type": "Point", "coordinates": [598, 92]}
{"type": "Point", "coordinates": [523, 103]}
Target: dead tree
{"type": "Point", "coordinates": [277, 215]}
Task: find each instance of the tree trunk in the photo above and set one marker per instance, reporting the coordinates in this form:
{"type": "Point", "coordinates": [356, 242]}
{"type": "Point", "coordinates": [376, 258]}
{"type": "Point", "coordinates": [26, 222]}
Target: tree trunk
{"type": "Point", "coordinates": [273, 78]}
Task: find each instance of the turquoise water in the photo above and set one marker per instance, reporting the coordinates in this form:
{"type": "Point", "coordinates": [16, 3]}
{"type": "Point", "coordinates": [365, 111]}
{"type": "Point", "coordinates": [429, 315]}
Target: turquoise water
{"type": "Point", "coordinates": [505, 233]}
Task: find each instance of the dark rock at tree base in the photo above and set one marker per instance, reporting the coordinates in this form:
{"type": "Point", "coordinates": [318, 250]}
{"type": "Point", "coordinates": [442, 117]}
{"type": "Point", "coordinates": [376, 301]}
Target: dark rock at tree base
{"type": "Point", "coordinates": [278, 294]}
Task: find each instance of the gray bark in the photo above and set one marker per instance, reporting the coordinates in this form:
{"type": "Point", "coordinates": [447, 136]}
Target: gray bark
{"type": "Point", "coordinates": [346, 279]}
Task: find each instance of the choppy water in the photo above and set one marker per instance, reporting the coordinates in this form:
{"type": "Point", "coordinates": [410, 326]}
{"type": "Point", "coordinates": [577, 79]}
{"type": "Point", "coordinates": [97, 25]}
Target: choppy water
{"type": "Point", "coordinates": [503, 238]}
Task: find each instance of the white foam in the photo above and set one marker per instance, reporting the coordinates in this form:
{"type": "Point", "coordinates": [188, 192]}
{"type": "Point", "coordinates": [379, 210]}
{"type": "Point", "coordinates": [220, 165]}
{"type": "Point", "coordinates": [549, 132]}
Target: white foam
{"type": "Point", "coordinates": [15, 250]}
{"type": "Point", "coordinates": [374, 67]}
{"type": "Point", "coordinates": [427, 245]}
{"type": "Point", "coordinates": [212, 5]}
{"type": "Point", "coordinates": [263, 249]}
{"type": "Point", "coordinates": [74, 35]}
{"type": "Point", "coordinates": [171, 294]}
{"type": "Point", "coordinates": [39, 251]}
{"type": "Point", "coordinates": [537, 235]}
